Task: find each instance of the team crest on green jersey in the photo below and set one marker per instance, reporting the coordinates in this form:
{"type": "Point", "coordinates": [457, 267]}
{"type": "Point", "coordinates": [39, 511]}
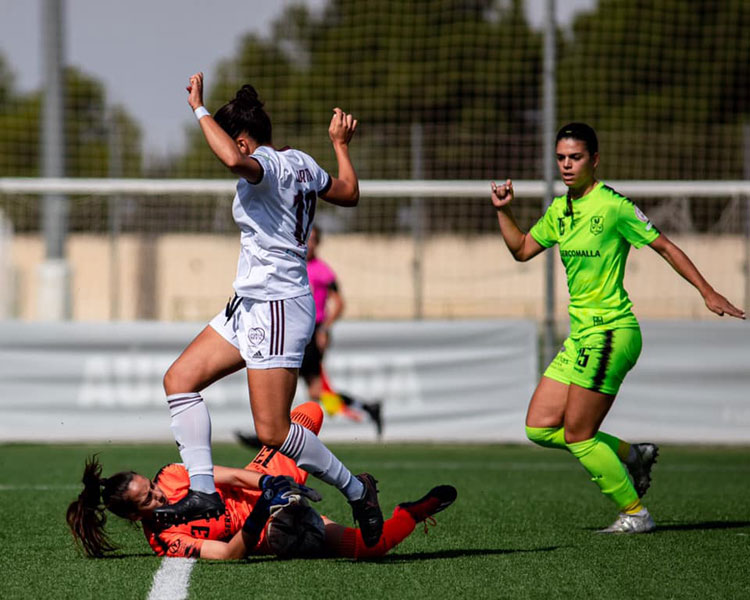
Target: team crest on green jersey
{"type": "Point", "coordinates": [597, 224]}
{"type": "Point", "coordinates": [560, 226]}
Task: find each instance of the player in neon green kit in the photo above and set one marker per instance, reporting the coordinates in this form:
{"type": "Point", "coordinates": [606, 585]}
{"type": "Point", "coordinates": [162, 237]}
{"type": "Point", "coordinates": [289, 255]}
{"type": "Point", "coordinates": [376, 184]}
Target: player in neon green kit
{"type": "Point", "coordinates": [595, 227]}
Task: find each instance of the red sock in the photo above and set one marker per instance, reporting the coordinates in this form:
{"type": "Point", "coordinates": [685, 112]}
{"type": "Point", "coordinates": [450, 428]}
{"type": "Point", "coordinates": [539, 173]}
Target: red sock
{"type": "Point", "coordinates": [395, 530]}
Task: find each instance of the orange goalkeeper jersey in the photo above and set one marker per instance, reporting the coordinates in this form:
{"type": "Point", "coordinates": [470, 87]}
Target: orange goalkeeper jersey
{"type": "Point", "coordinates": [186, 539]}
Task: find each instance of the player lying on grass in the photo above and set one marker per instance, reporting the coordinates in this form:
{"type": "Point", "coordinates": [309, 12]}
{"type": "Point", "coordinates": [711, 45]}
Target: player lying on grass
{"type": "Point", "coordinates": [266, 326]}
{"type": "Point", "coordinates": [266, 510]}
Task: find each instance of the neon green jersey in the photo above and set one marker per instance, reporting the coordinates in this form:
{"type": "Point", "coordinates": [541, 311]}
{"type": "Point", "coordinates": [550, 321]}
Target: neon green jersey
{"type": "Point", "coordinates": [594, 245]}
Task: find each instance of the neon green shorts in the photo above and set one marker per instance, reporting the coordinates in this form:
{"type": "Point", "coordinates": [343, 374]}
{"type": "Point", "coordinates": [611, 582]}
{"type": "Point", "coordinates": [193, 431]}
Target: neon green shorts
{"type": "Point", "coordinates": [598, 361]}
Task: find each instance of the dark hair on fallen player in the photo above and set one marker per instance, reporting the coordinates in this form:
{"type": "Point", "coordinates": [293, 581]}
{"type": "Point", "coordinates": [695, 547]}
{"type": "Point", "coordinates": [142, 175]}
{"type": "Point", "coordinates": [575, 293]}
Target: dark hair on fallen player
{"type": "Point", "coordinates": [583, 133]}
{"type": "Point", "coordinates": [86, 516]}
{"type": "Point", "coordinates": [245, 114]}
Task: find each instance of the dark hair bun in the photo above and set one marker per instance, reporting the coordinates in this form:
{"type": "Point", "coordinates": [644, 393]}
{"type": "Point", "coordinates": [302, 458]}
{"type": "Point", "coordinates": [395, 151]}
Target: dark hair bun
{"type": "Point", "coordinates": [248, 97]}
{"type": "Point", "coordinates": [245, 114]}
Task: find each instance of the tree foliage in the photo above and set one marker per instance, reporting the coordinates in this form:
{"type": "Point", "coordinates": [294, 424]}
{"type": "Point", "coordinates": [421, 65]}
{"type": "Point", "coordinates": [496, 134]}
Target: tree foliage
{"type": "Point", "coordinates": [445, 64]}
{"type": "Point", "coordinates": [665, 82]}
{"type": "Point", "coordinates": [91, 127]}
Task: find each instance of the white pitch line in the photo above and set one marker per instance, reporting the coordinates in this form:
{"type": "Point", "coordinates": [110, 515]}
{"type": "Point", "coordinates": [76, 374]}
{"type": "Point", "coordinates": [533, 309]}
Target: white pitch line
{"type": "Point", "coordinates": [172, 580]}
{"type": "Point", "coordinates": [543, 466]}
{"type": "Point", "coordinates": [37, 488]}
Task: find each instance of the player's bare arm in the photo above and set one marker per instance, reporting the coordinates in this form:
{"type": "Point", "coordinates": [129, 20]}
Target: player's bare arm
{"type": "Point", "coordinates": [344, 190]}
{"type": "Point", "coordinates": [521, 245]}
{"type": "Point", "coordinates": [241, 478]}
{"type": "Point", "coordinates": [235, 154]}
{"type": "Point", "coordinates": [336, 303]}
{"type": "Point", "coordinates": [234, 549]}
{"type": "Point", "coordinates": [680, 262]}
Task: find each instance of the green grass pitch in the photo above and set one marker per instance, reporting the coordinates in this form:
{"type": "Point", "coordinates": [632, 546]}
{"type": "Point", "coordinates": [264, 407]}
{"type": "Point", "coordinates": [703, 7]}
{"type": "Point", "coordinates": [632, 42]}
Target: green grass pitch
{"type": "Point", "coordinates": [522, 527]}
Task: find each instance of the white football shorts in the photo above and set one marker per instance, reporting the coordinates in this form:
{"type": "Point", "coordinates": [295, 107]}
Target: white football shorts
{"type": "Point", "coordinates": [269, 334]}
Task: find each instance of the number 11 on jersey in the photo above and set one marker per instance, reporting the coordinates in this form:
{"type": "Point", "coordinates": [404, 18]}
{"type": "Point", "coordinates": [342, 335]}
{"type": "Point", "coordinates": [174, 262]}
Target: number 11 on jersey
{"type": "Point", "coordinates": [305, 211]}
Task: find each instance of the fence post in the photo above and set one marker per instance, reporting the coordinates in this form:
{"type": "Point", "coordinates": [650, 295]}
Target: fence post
{"type": "Point", "coordinates": [114, 167]}
{"type": "Point", "coordinates": [548, 141]}
{"type": "Point", "coordinates": [417, 219]}
{"type": "Point", "coordinates": [746, 172]}
{"type": "Point", "coordinates": [53, 301]}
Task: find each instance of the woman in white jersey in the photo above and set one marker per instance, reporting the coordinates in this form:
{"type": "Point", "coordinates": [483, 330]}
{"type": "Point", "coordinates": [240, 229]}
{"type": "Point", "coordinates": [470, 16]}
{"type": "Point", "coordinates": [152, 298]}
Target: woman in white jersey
{"type": "Point", "coordinates": [595, 227]}
{"type": "Point", "coordinates": [269, 322]}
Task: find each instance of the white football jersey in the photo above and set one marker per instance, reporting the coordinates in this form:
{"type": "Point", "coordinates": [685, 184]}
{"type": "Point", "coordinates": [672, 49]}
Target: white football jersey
{"type": "Point", "coordinates": [275, 216]}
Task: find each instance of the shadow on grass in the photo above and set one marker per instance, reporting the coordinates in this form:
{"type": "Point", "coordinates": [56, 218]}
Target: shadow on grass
{"type": "Point", "coordinates": [702, 525]}
{"type": "Point", "coordinates": [699, 526]}
{"type": "Point", "coordinates": [457, 553]}
{"type": "Point", "coordinates": [404, 558]}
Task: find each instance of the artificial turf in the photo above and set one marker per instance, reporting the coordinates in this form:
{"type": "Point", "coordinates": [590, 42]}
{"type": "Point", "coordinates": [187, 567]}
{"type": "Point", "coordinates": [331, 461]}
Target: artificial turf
{"type": "Point", "coordinates": [523, 527]}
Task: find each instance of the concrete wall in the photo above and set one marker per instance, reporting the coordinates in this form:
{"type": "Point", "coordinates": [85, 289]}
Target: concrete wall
{"type": "Point", "coordinates": [182, 277]}
{"type": "Point", "coordinates": [456, 380]}
{"type": "Point", "coordinates": [437, 380]}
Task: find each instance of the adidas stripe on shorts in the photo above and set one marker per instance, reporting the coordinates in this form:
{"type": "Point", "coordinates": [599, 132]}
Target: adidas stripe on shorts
{"type": "Point", "coordinates": [268, 333]}
{"type": "Point", "coordinates": [598, 361]}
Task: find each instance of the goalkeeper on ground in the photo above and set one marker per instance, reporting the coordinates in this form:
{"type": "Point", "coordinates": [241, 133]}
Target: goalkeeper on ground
{"type": "Point", "coordinates": [266, 510]}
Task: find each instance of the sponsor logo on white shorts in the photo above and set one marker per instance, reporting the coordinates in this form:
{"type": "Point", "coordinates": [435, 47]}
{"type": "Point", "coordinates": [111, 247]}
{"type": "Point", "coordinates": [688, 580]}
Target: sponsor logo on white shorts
{"type": "Point", "coordinates": [256, 335]}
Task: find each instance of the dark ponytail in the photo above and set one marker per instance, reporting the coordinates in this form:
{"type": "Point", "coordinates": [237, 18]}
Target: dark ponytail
{"type": "Point", "coordinates": [569, 209]}
{"type": "Point", "coordinates": [86, 516]}
{"type": "Point", "coordinates": [245, 114]}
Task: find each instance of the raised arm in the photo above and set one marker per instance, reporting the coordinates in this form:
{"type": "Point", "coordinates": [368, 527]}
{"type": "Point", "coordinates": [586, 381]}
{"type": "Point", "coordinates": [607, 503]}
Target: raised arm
{"type": "Point", "coordinates": [680, 262]}
{"type": "Point", "coordinates": [344, 189]}
{"type": "Point", "coordinates": [227, 150]}
{"type": "Point", "coordinates": [522, 245]}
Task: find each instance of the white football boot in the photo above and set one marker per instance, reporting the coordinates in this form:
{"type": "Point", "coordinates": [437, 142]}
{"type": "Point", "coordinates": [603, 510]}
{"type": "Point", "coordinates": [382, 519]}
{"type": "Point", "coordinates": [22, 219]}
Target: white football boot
{"type": "Point", "coordinates": [640, 522]}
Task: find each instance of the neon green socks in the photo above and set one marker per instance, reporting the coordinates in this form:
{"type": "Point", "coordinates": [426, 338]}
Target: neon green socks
{"type": "Point", "coordinates": [619, 447]}
{"type": "Point", "coordinates": [549, 437]}
{"type": "Point", "coordinates": [554, 437]}
{"type": "Point", "coordinates": [606, 471]}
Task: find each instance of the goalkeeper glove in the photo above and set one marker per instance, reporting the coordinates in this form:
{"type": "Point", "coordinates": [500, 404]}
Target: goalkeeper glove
{"type": "Point", "coordinates": [277, 493]}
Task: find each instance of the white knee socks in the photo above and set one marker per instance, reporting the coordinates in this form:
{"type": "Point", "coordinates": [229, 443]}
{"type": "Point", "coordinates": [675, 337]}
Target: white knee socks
{"type": "Point", "coordinates": [304, 448]}
{"type": "Point", "coordinates": [191, 426]}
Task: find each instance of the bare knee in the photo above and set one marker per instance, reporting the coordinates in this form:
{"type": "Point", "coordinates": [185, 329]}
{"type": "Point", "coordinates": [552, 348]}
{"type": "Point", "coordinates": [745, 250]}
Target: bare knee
{"type": "Point", "coordinates": [177, 380]}
{"type": "Point", "coordinates": [272, 434]}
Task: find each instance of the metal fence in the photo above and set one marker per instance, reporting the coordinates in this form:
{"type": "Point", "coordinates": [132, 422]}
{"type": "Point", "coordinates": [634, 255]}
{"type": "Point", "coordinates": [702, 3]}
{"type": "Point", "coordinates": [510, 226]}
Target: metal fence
{"type": "Point", "coordinates": [167, 249]}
